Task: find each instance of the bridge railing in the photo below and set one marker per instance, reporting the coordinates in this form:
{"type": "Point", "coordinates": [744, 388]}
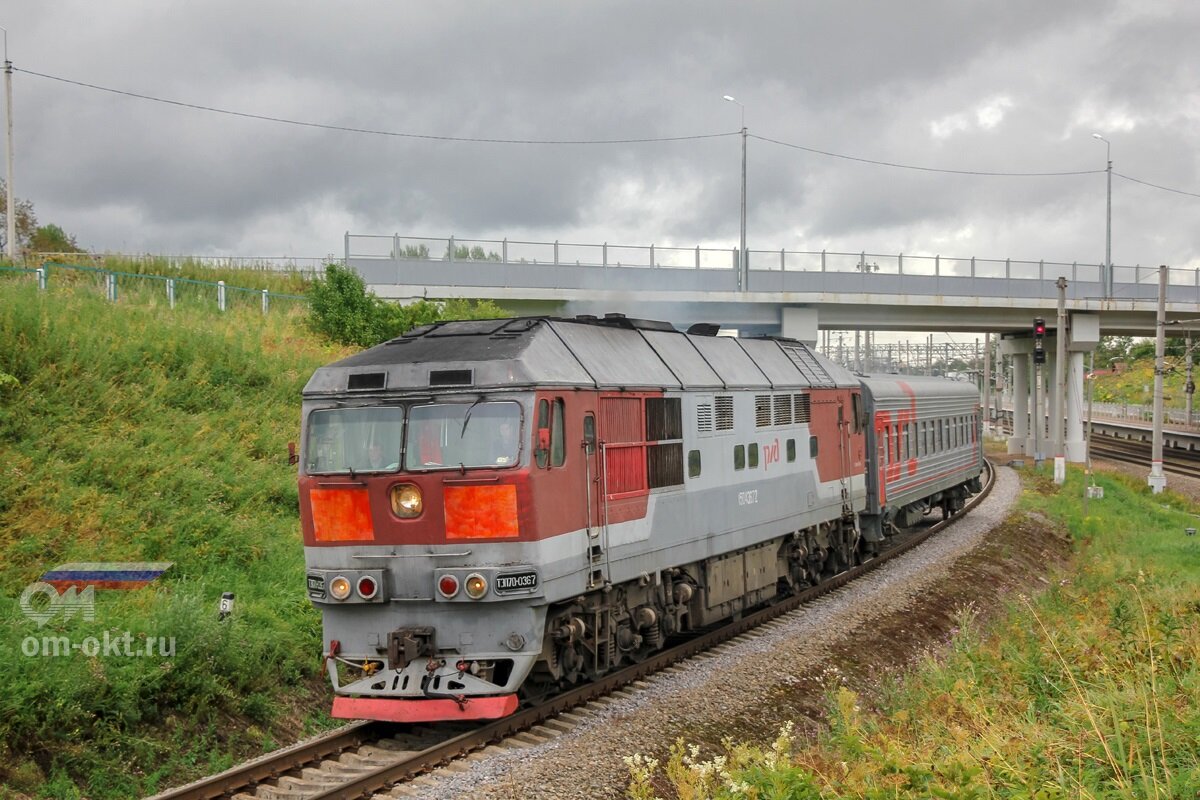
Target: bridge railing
{"type": "Point", "coordinates": [1130, 282]}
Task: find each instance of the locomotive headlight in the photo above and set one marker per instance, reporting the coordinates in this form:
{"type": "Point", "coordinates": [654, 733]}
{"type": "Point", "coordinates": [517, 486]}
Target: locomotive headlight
{"type": "Point", "coordinates": [406, 501]}
{"type": "Point", "coordinates": [476, 586]}
{"type": "Point", "coordinates": [339, 588]}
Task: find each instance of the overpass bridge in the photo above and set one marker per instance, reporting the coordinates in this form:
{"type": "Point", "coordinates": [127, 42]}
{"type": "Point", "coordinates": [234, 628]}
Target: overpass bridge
{"type": "Point", "coordinates": [800, 293]}
{"type": "Point", "coordinates": [795, 293]}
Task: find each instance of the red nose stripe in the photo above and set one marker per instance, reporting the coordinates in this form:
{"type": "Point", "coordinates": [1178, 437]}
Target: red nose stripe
{"type": "Point", "coordinates": [389, 710]}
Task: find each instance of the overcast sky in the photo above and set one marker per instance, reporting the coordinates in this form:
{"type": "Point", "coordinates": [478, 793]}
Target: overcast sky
{"type": "Point", "coordinates": [1013, 86]}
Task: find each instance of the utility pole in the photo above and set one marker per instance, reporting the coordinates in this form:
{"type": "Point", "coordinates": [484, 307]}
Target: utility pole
{"type": "Point", "coordinates": [857, 350]}
{"type": "Point", "coordinates": [1157, 480]}
{"type": "Point", "coordinates": [11, 213]}
{"type": "Point", "coordinates": [1060, 383]}
{"type": "Point", "coordinates": [1087, 445]}
{"type": "Point", "coordinates": [1189, 388]}
{"type": "Point", "coordinates": [929, 355]}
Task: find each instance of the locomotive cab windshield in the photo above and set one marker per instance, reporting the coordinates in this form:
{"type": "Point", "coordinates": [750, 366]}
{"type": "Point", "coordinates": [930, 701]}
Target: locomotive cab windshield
{"type": "Point", "coordinates": [438, 435]}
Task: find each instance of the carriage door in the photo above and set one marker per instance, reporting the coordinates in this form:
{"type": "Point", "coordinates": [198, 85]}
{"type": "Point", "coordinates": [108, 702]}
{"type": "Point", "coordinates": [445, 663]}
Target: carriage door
{"type": "Point", "coordinates": [593, 500]}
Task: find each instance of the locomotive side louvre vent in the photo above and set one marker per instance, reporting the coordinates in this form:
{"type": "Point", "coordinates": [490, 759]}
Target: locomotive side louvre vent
{"type": "Point", "coordinates": [664, 418]}
{"type": "Point", "coordinates": [724, 406]}
{"type": "Point", "coordinates": [451, 377]}
{"type": "Point", "coordinates": [762, 410]}
{"type": "Point", "coordinates": [808, 365]}
{"type": "Point", "coordinates": [802, 406]}
{"type": "Point", "coordinates": [783, 409]}
{"type": "Point", "coordinates": [704, 418]}
{"type": "Point", "coordinates": [366, 381]}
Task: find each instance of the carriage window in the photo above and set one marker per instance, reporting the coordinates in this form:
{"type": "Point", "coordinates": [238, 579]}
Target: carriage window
{"type": "Point", "coordinates": [589, 434]}
{"type": "Point", "coordinates": [739, 457]}
{"type": "Point", "coordinates": [859, 415]}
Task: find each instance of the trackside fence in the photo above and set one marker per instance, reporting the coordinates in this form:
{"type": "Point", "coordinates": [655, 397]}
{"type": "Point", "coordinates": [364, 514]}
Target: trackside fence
{"type": "Point", "coordinates": [116, 285]}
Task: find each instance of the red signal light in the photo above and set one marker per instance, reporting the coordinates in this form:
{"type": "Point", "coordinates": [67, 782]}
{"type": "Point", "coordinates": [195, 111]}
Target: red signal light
{"type": "Point", "coordinates": [448, 585]}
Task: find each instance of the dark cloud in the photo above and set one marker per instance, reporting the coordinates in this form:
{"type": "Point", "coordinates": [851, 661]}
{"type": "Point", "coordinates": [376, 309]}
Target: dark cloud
{"type": "Point", "coordinates": [1018, 86]}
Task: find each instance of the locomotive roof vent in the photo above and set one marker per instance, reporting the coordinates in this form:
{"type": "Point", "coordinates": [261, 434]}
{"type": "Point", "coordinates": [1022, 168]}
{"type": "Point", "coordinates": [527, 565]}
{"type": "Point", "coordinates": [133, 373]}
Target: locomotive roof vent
{"type": "Point", "coordinates": [366, 381]}
{"type": "Point", "coordinates": [451, 377]}
{"type": "Point", "coordinates": [704, 329]}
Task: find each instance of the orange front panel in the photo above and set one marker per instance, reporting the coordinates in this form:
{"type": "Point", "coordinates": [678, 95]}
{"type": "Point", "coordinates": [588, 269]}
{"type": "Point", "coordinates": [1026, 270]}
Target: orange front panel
{"type": "Point", "coordinates": [341, 515]}
{"type": "Point", "coordinates": [481, 512]}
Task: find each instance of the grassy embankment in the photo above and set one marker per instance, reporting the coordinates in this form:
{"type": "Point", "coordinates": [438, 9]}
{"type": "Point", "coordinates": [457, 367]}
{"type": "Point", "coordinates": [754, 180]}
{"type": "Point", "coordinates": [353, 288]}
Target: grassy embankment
{"type": "Point", "coordinates": [146, 434]}
{"type": "Point", "coordinates": [1091, 690]}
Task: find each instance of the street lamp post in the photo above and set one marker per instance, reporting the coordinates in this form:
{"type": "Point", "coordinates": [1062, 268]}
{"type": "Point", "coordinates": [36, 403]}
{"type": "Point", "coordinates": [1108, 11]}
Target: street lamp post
{"type": "Point", "coordinates": [1107, 274]}
{"type": "Point", "coordinates": [743, 278]}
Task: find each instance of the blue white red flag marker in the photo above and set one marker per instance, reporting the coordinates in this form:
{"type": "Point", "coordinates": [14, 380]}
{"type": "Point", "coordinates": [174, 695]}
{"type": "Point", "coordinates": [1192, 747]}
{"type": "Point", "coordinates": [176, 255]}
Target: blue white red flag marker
{"type": "Point", "coordinates": [105, 574]}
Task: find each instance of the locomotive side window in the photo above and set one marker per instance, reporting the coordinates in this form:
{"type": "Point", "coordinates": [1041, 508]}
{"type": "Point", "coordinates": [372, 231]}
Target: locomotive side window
{"type": "Point", "coordinates": [791, 450]}
{"type": "Point", "coordinates": [739, 456]}
{"type": "Point", "coordinates": [812, 447]}
{"type": "Point", "coordinates": [542, 454]}
{"type": "Point", "coordinates": [344, 440]}
{"type": "Point", "coordinates": [589, 434]}
{"type": "Point", "coordinates": [558, 444]}
{"type": "Point", "coordinates": [753, 455]}
{"type": "Point", "coordinates": [693, 463]}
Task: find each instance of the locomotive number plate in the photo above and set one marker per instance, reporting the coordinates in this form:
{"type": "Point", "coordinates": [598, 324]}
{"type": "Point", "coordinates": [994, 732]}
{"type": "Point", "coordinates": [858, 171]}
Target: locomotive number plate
{"type": "Point", "coordinates": [316, 587]}
{"type": "Point", "coordinates": [523, 582]}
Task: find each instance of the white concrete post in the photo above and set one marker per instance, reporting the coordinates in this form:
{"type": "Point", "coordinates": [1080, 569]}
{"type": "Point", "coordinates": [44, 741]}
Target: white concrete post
{"type": "Point", "coordinates": [41, 279]}
{"type": "Point", "coordinates": [1075, 444]}
{"type": "Point", "coordinates": [265, 301]}
{"type": "Point", "coordinates": [220, 295]}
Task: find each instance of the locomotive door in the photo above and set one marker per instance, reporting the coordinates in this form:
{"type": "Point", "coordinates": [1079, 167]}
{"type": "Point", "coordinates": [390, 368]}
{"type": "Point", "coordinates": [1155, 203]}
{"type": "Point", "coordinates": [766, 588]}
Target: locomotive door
{"type": "Point", "coordinates": [593, 491]}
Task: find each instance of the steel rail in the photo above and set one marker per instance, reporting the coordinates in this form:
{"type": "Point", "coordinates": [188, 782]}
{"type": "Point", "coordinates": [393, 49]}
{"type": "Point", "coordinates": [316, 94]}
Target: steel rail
{"type": "Point", "coordinates": [277, 763]}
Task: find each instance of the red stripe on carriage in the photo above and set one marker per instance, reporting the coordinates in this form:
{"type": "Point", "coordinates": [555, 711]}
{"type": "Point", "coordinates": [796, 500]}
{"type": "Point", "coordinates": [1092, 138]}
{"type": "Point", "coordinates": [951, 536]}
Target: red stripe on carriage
{"type": "Point", "coordinates": [428, 710]}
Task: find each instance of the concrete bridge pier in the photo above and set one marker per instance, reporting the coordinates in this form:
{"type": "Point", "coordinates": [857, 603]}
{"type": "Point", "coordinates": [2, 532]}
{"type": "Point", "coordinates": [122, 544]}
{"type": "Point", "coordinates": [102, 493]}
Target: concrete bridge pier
{"type": "Point", "coordinates": [1018, 443]}
{"type": "Point", "coordinates": [1085, 336]}
{"type": "Point", "coordinates": [800, 323]}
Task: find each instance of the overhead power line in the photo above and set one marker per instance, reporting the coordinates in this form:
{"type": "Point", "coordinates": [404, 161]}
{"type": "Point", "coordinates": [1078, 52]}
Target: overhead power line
{"type": "Point", "coordinates": [347, 129]}
{"type": "Point", "coordinates": [925, 169]}
{"type": "Point", "coordinates": [638, 140]}
{"type": "Point", "coordinates": [1156, 186]}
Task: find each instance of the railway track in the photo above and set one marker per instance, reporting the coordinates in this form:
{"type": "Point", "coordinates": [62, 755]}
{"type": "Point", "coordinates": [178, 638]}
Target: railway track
{"type": "Point", "coordinates": [361, 759]}
{"type": "Point", "coordinates": [1175, 461]}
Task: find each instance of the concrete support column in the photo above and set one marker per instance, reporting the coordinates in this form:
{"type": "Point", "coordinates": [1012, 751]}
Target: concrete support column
{"type": "Point", "coordinates": [800, 323]}
{"type": "Point", "coordinates": [1018, 442]}
{"type": "Point", "coordinates": [1075, 400]}
{"type": "Point", "coordinates": [1048, 373]}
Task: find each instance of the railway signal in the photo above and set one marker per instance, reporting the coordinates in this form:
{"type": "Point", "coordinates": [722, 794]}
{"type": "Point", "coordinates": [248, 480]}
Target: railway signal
{"type": "Point", "coordinates": [1039, 334]}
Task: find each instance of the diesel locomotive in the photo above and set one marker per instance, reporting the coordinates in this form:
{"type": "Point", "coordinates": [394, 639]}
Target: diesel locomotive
{"type": "Point", "coordinates": [493, 510]}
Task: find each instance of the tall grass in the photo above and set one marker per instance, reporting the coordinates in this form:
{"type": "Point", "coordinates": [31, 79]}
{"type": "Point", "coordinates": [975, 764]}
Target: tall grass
{"type": "Point", "coordinates": [151, 434]}
{"type": "Point", "coordinates": [1091, 690]}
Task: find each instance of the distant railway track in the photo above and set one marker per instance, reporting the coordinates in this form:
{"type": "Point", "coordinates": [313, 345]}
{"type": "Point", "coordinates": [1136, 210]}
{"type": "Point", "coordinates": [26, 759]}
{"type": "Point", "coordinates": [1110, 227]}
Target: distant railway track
{"type": "Point", "coordinates": [1175, 460]}
{"type": "Point", "coordinates": [363, 758]}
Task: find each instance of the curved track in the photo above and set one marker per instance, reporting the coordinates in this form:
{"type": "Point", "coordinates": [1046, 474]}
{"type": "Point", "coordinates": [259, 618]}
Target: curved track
{"type": "Point", "coordinates": [359, 759]}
